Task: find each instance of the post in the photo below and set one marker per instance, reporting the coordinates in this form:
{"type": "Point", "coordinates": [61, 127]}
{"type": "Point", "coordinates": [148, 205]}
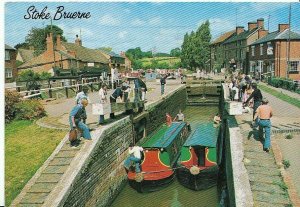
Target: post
{"type": "Point", "coordinates": [67, 92]}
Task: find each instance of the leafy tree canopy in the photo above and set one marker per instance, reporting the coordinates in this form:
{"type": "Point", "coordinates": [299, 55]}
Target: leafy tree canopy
{"type": "Point", "coordinates": [37, 37]}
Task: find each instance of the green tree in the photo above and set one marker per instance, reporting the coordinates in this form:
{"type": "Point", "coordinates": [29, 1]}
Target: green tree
{"type": "Point", "coordinates": [23, 45]}
{"type": "Point", "coordinates": [176, 52]}
{"type": "Point", "coordinates": [137, 64]}
{"type": "Point", "coordinates": [37, 37]}
{"type": "Point", "coordinates": [134, 54]}
{"type": "Point", "coordinates": [201, 42]}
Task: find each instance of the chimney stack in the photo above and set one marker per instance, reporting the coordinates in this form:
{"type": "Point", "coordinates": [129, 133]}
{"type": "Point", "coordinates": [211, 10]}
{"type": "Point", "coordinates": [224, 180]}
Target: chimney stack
{"type": "Point", "coordinates": [58, 42]}
{"type": "Point", "coordinates": [260, 23]}
{"type": "Point", "coordinates": [252, 25]}
{"type": "Point", "coordinates": [78, 41]}
{"type": "Point", "coordinates": [239, 30]}
{"type": "Point", "coordinates": [282, 27]}
{"type": "Point", "coordinates": [262, 33]}
{"type": "Point", "coordinates": [49, 41]}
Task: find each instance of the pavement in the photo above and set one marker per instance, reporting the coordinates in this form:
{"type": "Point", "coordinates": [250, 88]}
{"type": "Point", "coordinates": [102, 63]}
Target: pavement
{"type": "Point", "coordinates": [268, 179]}
{"type": "Point", "coordinates": [58, 110]}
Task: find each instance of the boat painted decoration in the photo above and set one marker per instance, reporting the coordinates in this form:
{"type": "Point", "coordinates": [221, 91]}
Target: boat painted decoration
{"type": "Point", "coordinates": [197, 167]}
{"type": "Point", "coordinates": [160, 154]}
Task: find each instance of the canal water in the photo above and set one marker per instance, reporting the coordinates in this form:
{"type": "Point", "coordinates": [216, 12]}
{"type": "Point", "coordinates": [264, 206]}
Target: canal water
{"type": "Point", "coordinates": [175, 195]}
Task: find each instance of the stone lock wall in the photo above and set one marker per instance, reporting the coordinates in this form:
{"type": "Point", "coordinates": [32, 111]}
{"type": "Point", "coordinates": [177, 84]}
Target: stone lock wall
{"type": "Point", "coordinates": [169, 104]}
{"type": "Point", "coordinates": [103, 174]}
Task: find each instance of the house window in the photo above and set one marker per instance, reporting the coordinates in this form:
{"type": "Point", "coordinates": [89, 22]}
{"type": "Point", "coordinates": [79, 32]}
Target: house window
{"type": "Point", "coordinates": [294, 65]}
{"type": "Point", "coordinates": [252, 50]}
{"type": "Point", "coordinates": [242, 54]}
{"type": "Point", "coordinates": [261, 49]}
{"type": "Point", "coordinates": [252, 66]}
{"type": "Point", "coordinates": [8, 73]}
{"type": "Point", "coordinates": [269, 49]}
{"type": "Point", "coordinates": [7, 55]}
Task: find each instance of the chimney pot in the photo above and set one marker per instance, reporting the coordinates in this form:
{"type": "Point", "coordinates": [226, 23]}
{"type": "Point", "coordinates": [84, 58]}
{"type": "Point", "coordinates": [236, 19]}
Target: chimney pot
{"type": "Point", "coordinates": [239, 30]}
{"type": "Point", "coordinates": [260, 23]}
{"type": "Point", "coordinates": [282, 27]}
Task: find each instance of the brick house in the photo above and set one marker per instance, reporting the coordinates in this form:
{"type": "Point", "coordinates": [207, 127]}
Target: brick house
{"type": "Point", "coordinates": [269, 54]}
{"type": "Point", "coordinates": [66, 56]}
{"type": "Point", "coordinates": [128, 64]}
{"type": "Point", "coordinates": [10, 64]}
{"type": "Point", "coordinates": [115, 60]}
{"type": "Point", "coordinates": [217, 54]}
{"type": "Point", "coordinates": [236, 47]}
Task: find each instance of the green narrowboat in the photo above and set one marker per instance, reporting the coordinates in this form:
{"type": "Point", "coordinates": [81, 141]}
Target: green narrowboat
{"type": "Point", "coordinates": [196, 167]}
{"type": "Point", "coordinates": [160, 154]}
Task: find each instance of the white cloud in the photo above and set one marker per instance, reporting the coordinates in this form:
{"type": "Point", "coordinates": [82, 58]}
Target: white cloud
{"type": "Point", "coordinates": [122, 34]}
{"type": "Point", "coordinates": [137, 22]}
{"type": "Point", "coordinates": [155, 21]}
{"type": "Point", "coordinates": [108, 19]}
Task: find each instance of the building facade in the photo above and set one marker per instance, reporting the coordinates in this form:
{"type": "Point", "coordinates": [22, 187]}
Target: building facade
{"type": "Point", "coordinates": [236, 47]}
{"type": "Point", "coordinates": [270, 54]}
{"type": "Point", "coordinates": [10, 64]}
{"type": "Point", "coordinates": [65, 56]}
{"type": "Point", "coordinates": [217, 52]}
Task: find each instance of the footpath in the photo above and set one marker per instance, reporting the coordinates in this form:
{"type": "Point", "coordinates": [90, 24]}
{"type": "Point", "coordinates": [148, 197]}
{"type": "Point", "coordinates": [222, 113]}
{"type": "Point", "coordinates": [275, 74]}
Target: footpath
{"type": "Point", "coordinates": [270, 183]}
{"type": "Point", "coordinates": [37, 192]}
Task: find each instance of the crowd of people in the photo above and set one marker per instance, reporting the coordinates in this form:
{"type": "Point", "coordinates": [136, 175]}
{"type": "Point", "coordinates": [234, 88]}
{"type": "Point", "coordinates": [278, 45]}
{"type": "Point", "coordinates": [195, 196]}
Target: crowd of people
{"type": "Point", "coordinates": [244, 89]}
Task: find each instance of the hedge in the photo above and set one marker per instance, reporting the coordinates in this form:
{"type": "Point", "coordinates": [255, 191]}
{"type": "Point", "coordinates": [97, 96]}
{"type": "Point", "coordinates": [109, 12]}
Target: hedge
{"type": "Point", "coordinates": [284, 83]}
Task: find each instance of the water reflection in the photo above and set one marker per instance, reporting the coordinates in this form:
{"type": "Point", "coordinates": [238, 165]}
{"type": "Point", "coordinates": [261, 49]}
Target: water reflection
{"type": "Point", "coordinates": [175, 195]}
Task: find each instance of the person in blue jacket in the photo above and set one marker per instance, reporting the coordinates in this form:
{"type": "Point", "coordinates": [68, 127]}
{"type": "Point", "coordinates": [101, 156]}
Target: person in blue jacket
{"type": "Point", "coordinates": [77, 115]}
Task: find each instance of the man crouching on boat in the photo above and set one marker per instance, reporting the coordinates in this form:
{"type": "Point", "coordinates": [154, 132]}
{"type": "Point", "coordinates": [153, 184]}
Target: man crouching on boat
{"type": "Point", "coordinates": [135, 156]}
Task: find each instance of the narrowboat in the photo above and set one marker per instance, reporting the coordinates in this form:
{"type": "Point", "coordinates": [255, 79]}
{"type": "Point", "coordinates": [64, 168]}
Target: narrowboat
{"type": "Point", "coordinates": [159, 156]}
{"type": "Point", "coordinates": [196, 167]}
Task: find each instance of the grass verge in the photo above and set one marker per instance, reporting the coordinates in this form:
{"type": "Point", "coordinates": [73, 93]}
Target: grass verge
{"type": "Point", "coordinates": [281, 96]}
{"type": "Point", "coordinates": [27, 147]}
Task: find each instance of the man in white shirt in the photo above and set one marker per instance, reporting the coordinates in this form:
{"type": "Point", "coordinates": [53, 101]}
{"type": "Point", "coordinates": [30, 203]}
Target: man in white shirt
{"type": "Point", "coordinates": [135, 156]}
{"type": "Point", "coordinates": [103, 99]}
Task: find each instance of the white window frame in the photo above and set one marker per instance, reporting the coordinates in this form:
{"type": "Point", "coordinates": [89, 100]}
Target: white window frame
{"type": "Point", "coordinates": [294, 65]}
{"type": "Point", "coordinates": [8, 72]}
{"type": "Point", "coordinates": [7, 55]}
{"type": "Point", "coordinates": [252, 66]}
{"type": "Point", "coordinates": [261, 49]}
{"type": "Point", "coordinates": [253, 50]}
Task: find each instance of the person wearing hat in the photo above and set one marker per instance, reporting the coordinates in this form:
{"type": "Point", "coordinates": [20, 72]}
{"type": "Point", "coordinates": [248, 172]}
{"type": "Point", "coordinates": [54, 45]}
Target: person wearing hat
{"type": "Point", "coordinates": [76, 117]}
{"type": "Point", "coordinates": [263, 114]}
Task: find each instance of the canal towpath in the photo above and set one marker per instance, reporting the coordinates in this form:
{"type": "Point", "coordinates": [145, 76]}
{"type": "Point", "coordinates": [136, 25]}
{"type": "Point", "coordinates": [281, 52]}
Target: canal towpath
{"type": "Point", "coordinates": [58, 110]}
{"type": "Point", "coordinates": [269, 181]}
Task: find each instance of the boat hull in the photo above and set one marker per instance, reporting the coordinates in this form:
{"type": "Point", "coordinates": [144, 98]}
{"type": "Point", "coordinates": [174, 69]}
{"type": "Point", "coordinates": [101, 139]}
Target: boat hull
{"type": "Point", "coordinates": [147, 186]}
{"type": "Point", "coordinates": [206, 178]}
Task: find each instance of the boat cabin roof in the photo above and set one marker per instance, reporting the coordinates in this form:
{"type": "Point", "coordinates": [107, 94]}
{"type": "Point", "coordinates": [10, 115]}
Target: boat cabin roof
{"type": "Point", "coordinates": [165, 135]}
{"type": "Point", "coordinates": [204, 135]}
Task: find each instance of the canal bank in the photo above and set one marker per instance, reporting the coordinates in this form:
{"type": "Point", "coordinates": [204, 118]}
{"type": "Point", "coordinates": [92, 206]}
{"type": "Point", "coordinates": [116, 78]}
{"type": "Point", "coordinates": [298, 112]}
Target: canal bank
{"type": "Point", "coordinates": [92, 174]}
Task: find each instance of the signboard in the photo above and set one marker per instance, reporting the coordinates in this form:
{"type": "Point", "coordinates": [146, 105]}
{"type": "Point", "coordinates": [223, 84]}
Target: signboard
{"type": "Point", "coordinates": [91, 64]}
{"type": "Point", "coordinates": [270, 50]}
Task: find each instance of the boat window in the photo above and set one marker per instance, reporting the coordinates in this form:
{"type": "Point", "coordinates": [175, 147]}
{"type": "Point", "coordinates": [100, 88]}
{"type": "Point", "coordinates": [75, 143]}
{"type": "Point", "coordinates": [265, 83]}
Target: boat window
{"type": "Point", "coordinates": [200, 152]}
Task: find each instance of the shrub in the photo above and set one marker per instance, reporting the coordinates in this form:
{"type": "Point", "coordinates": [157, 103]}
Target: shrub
{"type": "Point", "coordinates": [11, 99]}
{"type": "Point", "coordinates": [30, 109]}
{"type": "Point", "coordinates": [286, 164]}
{"type": "Point", "coordinates": [289, 136]}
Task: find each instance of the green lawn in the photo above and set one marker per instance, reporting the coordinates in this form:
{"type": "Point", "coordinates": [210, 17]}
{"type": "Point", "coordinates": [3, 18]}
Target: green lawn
{"type": "Point", "coordinates": [169, 60]}
{"type": "Point", "coordinates": [27, 147]}
{"type": "Point", "coordinates": [281, 96]}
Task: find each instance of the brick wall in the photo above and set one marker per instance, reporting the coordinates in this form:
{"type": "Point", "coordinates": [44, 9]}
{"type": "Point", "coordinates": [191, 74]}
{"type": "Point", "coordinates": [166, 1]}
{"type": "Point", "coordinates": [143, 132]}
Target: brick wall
{"type": "Point", "coordinates": [102, 176]}
{"type": "Point", "coordinates": [171, 104]}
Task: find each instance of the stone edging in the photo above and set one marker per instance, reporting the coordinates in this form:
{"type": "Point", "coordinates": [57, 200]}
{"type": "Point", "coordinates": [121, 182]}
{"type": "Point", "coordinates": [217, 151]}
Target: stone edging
{"type": "Point", "coordinates": [242, 189]}
{"type": "Point", "coordinates": [38, 173]}
{"type": "Point", "coordinates": [285, 175]}
{"type": "Point", "coordinates": [61, 191]}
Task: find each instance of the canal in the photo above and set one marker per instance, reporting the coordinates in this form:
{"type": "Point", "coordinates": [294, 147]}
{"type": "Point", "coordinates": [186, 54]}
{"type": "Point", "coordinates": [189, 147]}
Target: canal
{"type": "Point", "coordinates": [175, 195]}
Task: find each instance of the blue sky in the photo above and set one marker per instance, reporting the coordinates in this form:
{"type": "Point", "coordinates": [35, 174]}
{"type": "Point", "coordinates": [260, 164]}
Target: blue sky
{"type": "Point", "coordinates": [124, 25]}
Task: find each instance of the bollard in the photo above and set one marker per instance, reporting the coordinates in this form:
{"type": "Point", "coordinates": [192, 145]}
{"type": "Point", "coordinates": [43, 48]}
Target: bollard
{"type": "Point", "coordinates": [67, 92]}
